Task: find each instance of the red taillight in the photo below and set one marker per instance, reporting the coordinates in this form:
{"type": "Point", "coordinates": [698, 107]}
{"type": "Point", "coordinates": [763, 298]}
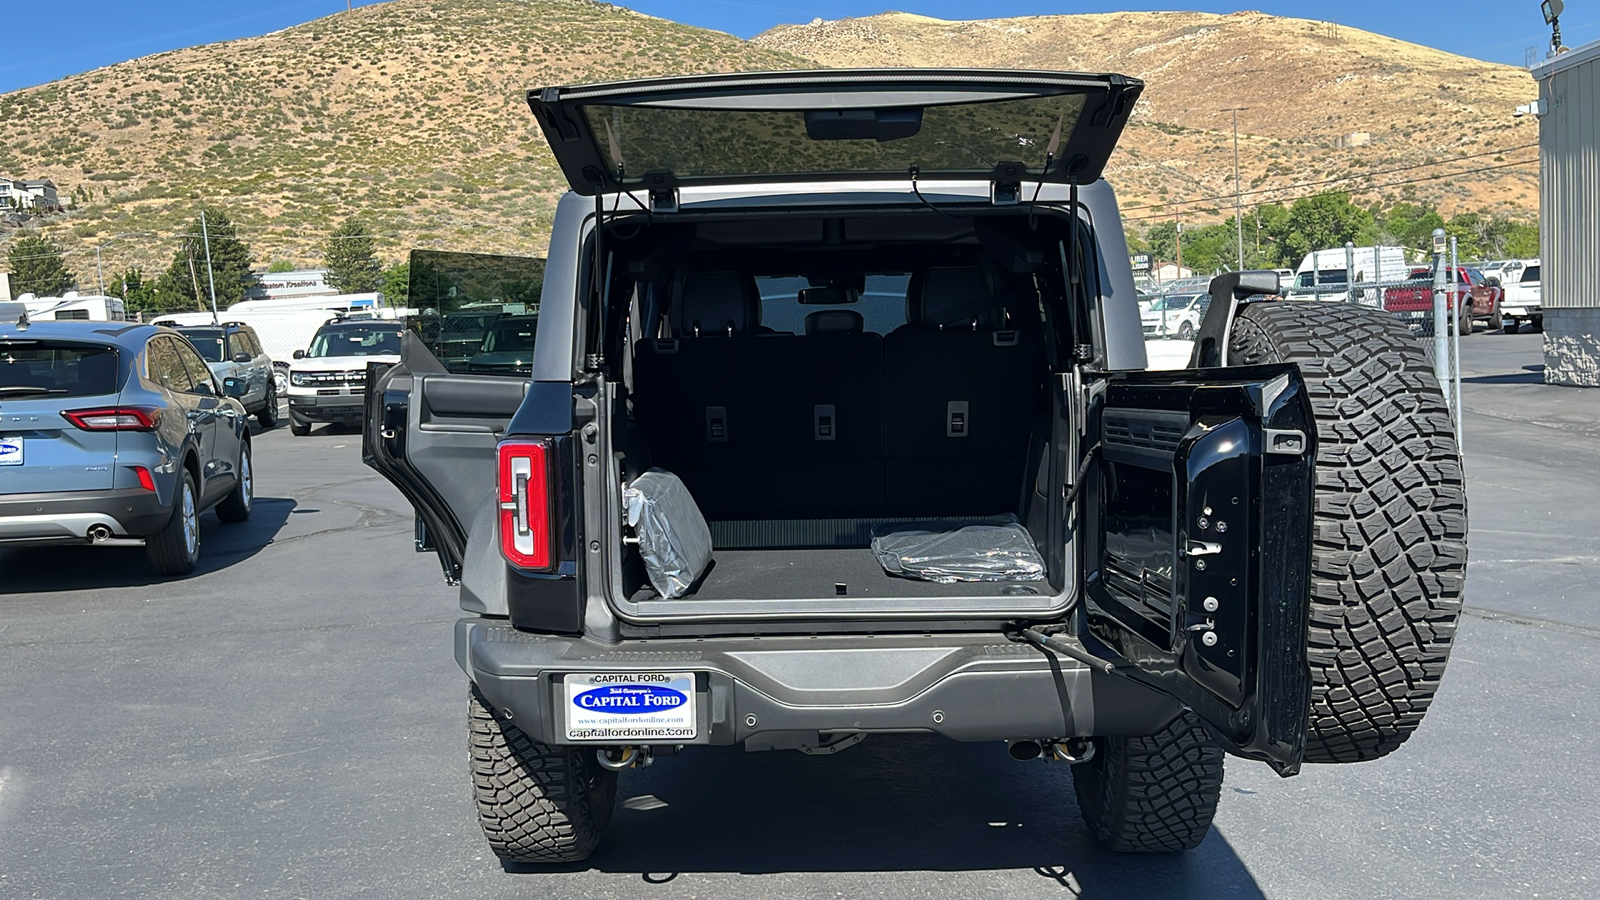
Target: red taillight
{"type": "Point", "coordinates": [145, 481]}
{"type": "Point", "coordinates": [525, 504]}
{"type": "Point", "coordinates": [115, 418]}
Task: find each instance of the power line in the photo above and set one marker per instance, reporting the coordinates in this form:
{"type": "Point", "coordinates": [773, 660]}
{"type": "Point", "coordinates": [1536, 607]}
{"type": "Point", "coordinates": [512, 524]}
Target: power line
{"type": "Point", "coordinates": [1367, 189]}
{"type": "Point", "coordinates": [1326, 181]}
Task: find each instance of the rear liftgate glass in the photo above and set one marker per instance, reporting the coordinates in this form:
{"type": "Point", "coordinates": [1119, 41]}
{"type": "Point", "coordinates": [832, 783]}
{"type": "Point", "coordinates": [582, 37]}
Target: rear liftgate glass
{"type": "Point", "coordinates": [1199, 571]}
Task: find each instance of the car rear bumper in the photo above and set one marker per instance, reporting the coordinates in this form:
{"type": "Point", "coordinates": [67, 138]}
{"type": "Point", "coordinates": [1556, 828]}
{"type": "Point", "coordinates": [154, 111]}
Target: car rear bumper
{"type": "Point", "coordinates": [784, 692]}
{"type": "Point", "coordinates": [68, 516]}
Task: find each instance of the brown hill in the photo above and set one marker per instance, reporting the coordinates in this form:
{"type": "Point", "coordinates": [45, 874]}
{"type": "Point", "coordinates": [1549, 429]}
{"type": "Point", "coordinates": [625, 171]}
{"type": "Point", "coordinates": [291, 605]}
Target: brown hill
{"type": "Point", "coordinates": [410, 113]}
{"type": "Point", "coordinates": [1306, 84]}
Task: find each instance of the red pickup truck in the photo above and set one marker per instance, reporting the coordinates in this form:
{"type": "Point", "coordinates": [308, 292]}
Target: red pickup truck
{"type": "Point", "coordinates": [1418, 296]}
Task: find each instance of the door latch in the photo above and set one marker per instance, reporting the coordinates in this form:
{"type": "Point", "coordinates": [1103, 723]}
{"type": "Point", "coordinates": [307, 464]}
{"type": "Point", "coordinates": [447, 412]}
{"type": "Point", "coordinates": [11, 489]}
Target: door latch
{"type": "Point", "coordinates": [1285, 442]}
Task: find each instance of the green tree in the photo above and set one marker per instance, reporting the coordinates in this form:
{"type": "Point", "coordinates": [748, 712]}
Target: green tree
{"type": "Point", "coordinates": [38, 267]}
{"type": "Point", "coordinates": [137, 294]}
{"type": "Point", "coordinates": [185, 280]}
{"type": "Point", "coordinates": [397, 283]}
{"type": "Point", "coordinates": [1409, 225]}
{"type": "Point", "coordinates": [351, 259]}
{"type": "Point", "coordinates": [1522, 240]}
{"type": "Point", "coordinates": [1325, 221]}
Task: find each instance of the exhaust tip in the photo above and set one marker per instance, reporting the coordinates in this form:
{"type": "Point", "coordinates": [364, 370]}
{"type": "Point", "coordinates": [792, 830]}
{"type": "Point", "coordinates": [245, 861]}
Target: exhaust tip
{"type": "Point", "coordinates": [1024, 750]}
{"type": "Point", "coordinates": [98, 533]}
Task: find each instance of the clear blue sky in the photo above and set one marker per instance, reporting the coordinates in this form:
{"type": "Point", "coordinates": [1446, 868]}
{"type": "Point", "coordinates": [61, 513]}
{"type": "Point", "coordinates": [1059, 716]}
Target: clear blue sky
{"type": "Point", "coordinates": [61, 38]}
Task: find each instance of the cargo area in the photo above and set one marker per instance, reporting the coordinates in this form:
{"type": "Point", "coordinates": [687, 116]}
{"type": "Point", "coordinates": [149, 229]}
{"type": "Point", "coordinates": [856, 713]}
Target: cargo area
{"type": "Point", "coordinates": [812, 382]}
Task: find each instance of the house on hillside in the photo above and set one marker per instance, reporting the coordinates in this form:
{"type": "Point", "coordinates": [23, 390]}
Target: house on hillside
{"type": "Point", "coordinates": [20, 193]}
{"type": "Point", "coordinates": [1569, 233]}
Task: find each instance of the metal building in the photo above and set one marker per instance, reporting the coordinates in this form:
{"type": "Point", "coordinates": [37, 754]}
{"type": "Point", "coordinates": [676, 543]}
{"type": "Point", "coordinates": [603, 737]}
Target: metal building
{"type": "Point", "coordinates": [1569, 214]}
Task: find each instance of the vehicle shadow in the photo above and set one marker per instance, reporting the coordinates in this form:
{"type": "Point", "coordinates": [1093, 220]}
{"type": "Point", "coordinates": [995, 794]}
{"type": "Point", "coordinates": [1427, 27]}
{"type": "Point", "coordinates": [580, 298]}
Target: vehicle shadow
{"type": "Point", "coordinates": [893, 803]}
{"type": "Point", "coordinates": [76, 567]}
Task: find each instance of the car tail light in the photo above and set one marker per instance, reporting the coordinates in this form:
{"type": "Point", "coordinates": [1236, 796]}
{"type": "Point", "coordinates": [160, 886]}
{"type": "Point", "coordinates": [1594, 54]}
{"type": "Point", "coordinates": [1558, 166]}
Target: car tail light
{"type": "Point", "coordinates": [115, 418]}
{"type": "Point", "coordinates": [145, 481]}
{"type": "Point", "coordinates": [525, 504]}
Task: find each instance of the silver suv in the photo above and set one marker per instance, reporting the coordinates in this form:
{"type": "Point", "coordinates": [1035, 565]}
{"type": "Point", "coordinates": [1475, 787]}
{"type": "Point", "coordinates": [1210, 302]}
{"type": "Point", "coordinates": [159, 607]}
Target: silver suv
{"type": "Point", "coordinates": [113, 433]}
{"type": "Point", "coordinates": [232, 350]}
{"type": "Point", "coordinates": [838, 428]}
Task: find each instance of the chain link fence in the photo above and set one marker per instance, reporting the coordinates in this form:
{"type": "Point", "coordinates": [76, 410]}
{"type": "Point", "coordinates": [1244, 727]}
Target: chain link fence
{"type": "Point", "coordinates": [1430, 300]}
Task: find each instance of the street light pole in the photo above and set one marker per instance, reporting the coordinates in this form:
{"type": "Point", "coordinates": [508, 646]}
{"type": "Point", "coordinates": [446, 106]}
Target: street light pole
{"type": "Point", "coordinates": [1238, 190]}
{"type": "Point", "coordinates": [211, 278]}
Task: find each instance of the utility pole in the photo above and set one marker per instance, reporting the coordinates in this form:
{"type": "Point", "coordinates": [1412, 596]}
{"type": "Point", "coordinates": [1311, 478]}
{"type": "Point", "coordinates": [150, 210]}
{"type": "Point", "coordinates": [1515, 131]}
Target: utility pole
{"type": "Point", "coordinates": [211, 278]}
{"type": "Point", "coordinates": [1180, 246]}
{"type": "Point", "coordinates": [1238, 188]}
{"type": "Point", "coordinates": [99, 273]}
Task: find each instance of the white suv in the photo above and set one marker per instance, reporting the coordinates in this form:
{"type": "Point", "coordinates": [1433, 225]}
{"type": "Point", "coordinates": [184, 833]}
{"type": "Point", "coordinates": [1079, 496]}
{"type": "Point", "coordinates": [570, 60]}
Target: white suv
{"type": "Point", "coordinates": [327, 383]}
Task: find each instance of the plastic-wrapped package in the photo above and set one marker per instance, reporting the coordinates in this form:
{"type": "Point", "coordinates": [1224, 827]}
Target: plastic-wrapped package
{"type": "Point", "coordinates": [674, 540]}
{"type": "Point", "coordinates": [973, 553]}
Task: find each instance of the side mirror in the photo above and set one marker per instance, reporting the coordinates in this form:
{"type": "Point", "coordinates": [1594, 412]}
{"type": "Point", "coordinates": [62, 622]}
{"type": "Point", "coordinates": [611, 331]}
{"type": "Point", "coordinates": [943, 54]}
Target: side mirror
{"type": "Point", "coordinates": [241, 357]}
{"type": "Point", "coordinates": [299, 354]}
{"type": "Point", "coordinates": [233, 387]}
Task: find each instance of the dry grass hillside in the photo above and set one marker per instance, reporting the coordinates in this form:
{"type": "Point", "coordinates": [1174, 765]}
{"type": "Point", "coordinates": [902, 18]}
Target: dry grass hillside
{"type": "Point", "coordinates": [411, 114]}
{"type": "Point", "coordinates": [1306, 84]}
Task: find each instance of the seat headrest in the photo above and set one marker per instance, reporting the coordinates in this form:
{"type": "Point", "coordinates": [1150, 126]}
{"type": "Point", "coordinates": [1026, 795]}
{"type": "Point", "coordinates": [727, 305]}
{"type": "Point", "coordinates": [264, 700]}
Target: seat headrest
{"type": "Point", "coordinates": [716, 303]}
{"type": "Point", "coordinates": [835, 321]}
{"type": "Point", "coordinates": [947, 295]}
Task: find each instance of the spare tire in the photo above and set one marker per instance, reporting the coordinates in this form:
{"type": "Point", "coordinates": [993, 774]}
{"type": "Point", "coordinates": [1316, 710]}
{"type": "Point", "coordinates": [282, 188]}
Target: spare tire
{"type": "Point", "coordinates": [1389, 552]}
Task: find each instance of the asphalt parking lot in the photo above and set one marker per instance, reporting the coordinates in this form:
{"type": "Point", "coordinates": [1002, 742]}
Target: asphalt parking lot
{"type": "Point", "coordinates": [289, 722]}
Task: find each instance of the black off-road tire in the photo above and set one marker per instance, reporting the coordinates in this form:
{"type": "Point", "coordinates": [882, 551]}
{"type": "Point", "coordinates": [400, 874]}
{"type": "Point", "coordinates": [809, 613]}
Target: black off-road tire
{"type": "Point", "coordinates": [537, 803]}
{"type": "Point", "coordinates": [1389, 555]}
{"type": "Point", "coordinates": [297, 427]}
{"type": "Point", "coordinates": [175, 549]}
{"type": "Point", "coordinates": [267, 416]}
{"type": "Point", "coordinates": [1154, 794]}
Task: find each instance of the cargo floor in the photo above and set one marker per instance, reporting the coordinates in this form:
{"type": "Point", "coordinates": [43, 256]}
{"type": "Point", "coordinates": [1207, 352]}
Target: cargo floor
{"type": "Point", "coordinates": [800, 574]}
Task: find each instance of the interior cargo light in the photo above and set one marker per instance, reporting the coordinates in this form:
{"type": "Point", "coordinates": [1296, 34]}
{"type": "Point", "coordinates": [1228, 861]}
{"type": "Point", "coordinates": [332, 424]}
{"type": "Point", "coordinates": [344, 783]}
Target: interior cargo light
{"type": "Point", "coordinates": [524, 485]}
{"type": "Point", "coordinates": [118, 418]}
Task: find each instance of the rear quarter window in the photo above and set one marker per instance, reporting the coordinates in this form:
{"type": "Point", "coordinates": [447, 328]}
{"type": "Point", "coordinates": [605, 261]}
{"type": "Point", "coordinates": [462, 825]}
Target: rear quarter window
{"type": "Point", "coordinates": [60, 370]}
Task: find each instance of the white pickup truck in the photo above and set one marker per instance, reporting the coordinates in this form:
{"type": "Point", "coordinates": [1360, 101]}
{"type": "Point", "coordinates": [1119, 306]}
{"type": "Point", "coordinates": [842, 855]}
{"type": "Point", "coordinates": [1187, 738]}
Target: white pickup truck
{"type": "Point", "coordinates": [1523, 298]}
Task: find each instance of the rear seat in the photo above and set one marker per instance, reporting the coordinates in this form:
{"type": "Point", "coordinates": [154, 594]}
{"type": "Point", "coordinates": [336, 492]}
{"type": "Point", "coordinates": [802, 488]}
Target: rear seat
{"type": "Point", "coordinates": [840, 423]}
{"type": "Point", "coordinates": [691, 390]}
{"type": "Point", "coordinates": [962, 396]}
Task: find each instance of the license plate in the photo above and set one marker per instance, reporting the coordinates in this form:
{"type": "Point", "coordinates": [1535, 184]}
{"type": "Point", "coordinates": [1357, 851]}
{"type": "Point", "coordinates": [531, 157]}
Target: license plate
{"type": "Point", "coordinates": [10, 451]}
{"type": "Point", "coordinates": [617, 707]}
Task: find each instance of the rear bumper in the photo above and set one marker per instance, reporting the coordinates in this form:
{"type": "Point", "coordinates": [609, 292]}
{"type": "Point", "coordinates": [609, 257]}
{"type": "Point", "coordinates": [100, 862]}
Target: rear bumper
{"type": "Point", "coordinates": [68, 516]}
{"type": "Point", "coordinates": [783, 692]}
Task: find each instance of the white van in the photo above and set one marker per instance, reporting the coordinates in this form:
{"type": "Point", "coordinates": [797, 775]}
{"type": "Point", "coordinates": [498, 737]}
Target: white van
{"type": "Point", "coordinates": [1326, 269]}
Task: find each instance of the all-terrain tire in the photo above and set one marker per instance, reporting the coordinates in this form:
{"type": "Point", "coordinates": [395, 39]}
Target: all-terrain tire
{"type": "Point", "coordinates": [537, 803]}
{"type": "Point", "coordinates": [175, 549]}
{"type": "Point", "coordinates": [1389, 554]}
{"type": "Point", "coordinates": [1154, 794]}
{"type": "Point", "coordinates": [297, 427]}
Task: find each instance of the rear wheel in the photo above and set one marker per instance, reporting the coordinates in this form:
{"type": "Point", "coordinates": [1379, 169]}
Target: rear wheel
{"type": "Point", "coordinates": [1154, 794]}
{"type": "Point", "coordinates": [1538, 323]}
{"type": "Point", "coordinates": [175, 549]}
{"type": "Point", "coordinates": [537, 803]}
{"type": "Point", "coordinates": [1509, 326]}
{"type": "Point", "coordinates": [1389, 554]}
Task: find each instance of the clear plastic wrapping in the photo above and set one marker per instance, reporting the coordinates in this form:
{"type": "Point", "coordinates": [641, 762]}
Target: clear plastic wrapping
{"type": "Point", "coordinates": [992, 552]}
{"type": "Point", "coordinates": [674, 540]}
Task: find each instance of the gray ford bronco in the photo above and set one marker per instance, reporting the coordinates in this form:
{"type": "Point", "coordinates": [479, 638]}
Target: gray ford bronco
{"type": "Point", "coordinates": [830, 308]}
